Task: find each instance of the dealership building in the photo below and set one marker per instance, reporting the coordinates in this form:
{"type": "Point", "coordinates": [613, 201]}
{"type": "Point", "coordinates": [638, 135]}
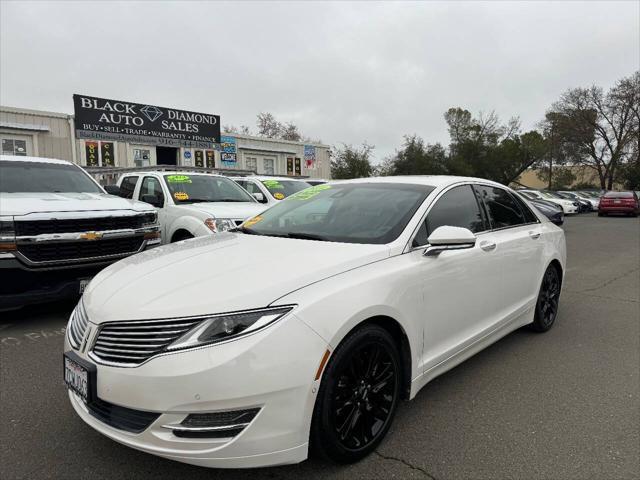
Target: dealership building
{"type": "Point", "coordinates": [108, 134]}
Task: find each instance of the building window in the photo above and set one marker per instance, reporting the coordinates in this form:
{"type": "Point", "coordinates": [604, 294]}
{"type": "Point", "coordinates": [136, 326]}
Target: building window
{"type": "Point", "coordinates": [14, 147]}
{"type": "Point", "coordinates": [141, 157]}
{"type": "Point", "coordinates": [268, 166]}
{"type": "Point", "coordinates": [251, 163]}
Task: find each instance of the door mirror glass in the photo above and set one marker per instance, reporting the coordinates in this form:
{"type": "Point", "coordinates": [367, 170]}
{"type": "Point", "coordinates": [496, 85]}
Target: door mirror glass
{"type": "Point", "coordinates": [447, 235]}
{"type": "Point", "coordinates": [153, 200]}
{"type": "Point", "coordinates": [259, 197]}
{"type": "Point", "coordinates": [112, 189]}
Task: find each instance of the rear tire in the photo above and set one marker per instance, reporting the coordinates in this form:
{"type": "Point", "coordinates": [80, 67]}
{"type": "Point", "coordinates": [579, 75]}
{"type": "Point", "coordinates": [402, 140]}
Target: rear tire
{"type": "Point", "coordinates": [182, 235]}
{"type": "Point", "coordinates": [548, 301]}
{"type": "Point", "coordinates": [358, 396]}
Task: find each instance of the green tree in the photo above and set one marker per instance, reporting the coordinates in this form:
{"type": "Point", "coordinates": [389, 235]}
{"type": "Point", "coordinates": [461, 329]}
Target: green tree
{"type": "Point", "coordinates": [417, 158]}
{"type": "Point", "coordinates": [351, 162]}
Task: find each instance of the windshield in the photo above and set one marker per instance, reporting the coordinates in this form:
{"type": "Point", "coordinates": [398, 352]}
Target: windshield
{"type": "Point", "coordinates": [205, 188]}
{"type": "Point", "coordinates": [44, 177]}
{"type": "Point", "coordinates": [529, 195]}
{"type": "Point", "coordinates": [550, 195]}
{"type": "Point", "coordinates": [347, 213]}
{"type": "Point", "coordinates": [281, 189]}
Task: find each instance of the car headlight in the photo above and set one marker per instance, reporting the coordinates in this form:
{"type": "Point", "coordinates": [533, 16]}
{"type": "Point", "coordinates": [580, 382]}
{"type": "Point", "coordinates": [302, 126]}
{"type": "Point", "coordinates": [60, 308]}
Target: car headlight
{"type": "Point", "coordinates": [150, 218]}
{"type": "Point", "coordinates": [217, 225]}
{"type": "Point", "coordinates": [218, 328]}
{"type": "Point", "coordinates": [7, 234]}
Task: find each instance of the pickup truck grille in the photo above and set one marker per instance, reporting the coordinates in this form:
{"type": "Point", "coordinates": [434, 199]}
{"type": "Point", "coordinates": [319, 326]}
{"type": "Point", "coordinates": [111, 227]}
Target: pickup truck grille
{"type": "Point", "coordinates": [61, 251]}
{"type": "Point", "coordinates": [131, 343]}
{"type": "Point", "coordinates": [37, 227]}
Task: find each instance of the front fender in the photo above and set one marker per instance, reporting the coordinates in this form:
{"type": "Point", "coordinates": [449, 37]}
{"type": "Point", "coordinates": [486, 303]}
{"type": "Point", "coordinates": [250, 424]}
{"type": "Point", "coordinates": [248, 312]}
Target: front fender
{"type": "Point", "coordinates": [191, 224]}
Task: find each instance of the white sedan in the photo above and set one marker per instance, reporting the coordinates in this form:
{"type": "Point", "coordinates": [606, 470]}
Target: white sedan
{"type": "Point", "coordinates": [304, 328]}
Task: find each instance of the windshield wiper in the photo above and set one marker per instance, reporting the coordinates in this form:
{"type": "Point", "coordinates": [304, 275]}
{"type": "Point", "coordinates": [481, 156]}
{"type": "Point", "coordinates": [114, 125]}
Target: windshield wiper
{"type": "Point", "coordinates": [306, 236]}
{"type": "Point", "coordinates": [246, 230]}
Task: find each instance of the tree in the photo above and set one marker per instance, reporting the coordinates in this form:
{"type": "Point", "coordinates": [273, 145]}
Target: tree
{"type": "Point", "coordinates": [417, 158]}
{"type": "Point", "coordinates": [268, 126]}
{"type": "Point", "coordinates": [351, 162]}
{"type": "Point", "coordinates": [600, 128]}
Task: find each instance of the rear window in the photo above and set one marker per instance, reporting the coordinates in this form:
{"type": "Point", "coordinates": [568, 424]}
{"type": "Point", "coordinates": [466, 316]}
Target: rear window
{"type": "Point", "coordinates": [618, 195]}
{"type": "Point", "coordinates": [44, 178]}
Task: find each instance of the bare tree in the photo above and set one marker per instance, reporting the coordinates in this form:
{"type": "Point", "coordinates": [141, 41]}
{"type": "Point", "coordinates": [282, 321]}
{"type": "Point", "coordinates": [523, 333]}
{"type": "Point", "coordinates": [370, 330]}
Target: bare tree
{"type": "Point", "coordinates": [601, 127]}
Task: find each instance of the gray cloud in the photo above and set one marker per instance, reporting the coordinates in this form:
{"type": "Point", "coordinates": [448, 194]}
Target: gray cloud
{"type": "Point", "coordinates": [344, 72]}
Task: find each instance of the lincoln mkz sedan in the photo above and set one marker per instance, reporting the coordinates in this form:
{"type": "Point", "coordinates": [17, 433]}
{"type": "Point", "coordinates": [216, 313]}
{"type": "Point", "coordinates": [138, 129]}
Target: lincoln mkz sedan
{"type": "Point", "coordinates": [302, 330]}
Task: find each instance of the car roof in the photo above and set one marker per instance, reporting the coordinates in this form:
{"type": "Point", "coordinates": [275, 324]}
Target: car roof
{"type": "Point", "coordinates": [170, 172]}
{"type": "Point", "coordinates": [19, 158]}
{"type": "Point", "coordinates": [430, 180]}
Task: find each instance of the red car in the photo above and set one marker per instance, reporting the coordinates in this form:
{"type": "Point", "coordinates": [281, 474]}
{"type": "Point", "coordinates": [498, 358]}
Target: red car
{"type": "Point", "coordinates": [626, 203]}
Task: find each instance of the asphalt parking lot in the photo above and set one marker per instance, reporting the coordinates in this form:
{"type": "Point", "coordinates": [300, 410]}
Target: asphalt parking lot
{"type": "Point", "coordinates": [563, 405]}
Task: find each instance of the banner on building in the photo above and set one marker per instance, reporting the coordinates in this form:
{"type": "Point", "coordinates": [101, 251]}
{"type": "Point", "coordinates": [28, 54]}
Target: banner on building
{"type": "Point", "coordinates": [298, 168]}
{"type": "Point", "coordinates": [210, 154]}
{"type": "Point", "coordinates": [108, 158]}
{"type": "Point", "coordinates": [228, 151]}
{"type": "Point", "coordinates": [289, 165]}
{"type": "Point", "coordinates": [91, 150]}
{"type": "Point", "coordinates": [310, 157]}
{"type": "Point", "coordinates": [117, 120]}
{"type": "Point", "coordinates": [199, 158]}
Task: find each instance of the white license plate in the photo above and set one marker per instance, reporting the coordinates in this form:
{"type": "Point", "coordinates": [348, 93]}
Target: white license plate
{"type": "Point", "coordinates": [77, 378]}
{"type": "Point", "coordinates": [83, 284]}
{"type": "Point", "coordinates": [617, 201]}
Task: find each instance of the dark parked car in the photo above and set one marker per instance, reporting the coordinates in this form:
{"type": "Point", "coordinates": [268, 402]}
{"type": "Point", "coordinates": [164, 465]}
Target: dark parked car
{"type": "Point", "coordinates": [549, 209]}
{"type": "Point", "coordinates": [625, 203]}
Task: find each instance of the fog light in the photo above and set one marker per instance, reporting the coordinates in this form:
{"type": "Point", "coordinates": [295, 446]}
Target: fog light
{"type": "Point", "coordinates": [214, 425]}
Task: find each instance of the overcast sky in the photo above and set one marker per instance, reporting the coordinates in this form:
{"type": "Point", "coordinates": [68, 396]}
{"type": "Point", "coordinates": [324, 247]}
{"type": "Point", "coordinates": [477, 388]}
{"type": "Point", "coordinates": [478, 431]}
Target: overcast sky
{"type": "Point", "coordinates": [344, 72]}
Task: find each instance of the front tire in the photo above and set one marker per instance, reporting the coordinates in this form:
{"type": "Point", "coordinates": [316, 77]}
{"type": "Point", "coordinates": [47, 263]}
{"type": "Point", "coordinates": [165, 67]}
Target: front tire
{"type": "Point", "coordinates": [358, 396]}
{"type": "Point", "coordinates": [548, 300]}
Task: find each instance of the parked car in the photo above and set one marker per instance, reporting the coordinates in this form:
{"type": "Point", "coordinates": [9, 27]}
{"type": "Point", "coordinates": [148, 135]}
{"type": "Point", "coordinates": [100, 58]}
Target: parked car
{"type": "Point", "coordinates": [305, 327]}
{"type": "Point", "coordinates": [626, 203]}
{"type": "Point", "coordinates": [568, 206]}
{"type": "Point", "coordinates": [549, 209]}
{"type": "Point", "coordinates": [583, 205]}
{"type": "Point", "coordinates": [594, 201]}
{"type": "Point", "coordinates": [189, 204]}
{"type": "Point", "coordinates": [58, 228]}
{"type": "Point", "coordinates": [270, 190]}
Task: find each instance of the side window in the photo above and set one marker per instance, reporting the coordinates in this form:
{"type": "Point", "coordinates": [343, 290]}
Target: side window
{"type": "Point", "coordinates": [502, 208]}
{"type": "Point", "coordinates": [151, 186]}
{"type": "Point", "coordinates": [242, 183]}
{"type": "Point", "coordinates": [529, 216]}
{"type": "Point", "coordinates": [127, 186]}
{"type": "Point", "coordinates": [456, 208]}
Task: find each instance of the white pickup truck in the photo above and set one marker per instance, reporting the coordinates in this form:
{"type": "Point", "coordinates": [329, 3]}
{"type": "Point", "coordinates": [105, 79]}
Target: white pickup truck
{"type": "Point", "coordinates": [58, 228]}
{"type": "Point", "coordinates": [189, 204]}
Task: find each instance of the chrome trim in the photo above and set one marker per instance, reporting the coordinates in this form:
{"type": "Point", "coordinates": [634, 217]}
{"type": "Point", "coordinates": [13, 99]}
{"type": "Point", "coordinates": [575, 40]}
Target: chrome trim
{"type": "Point", "coordinates": [81, 214]}
{"type": "Point", "coordinates": [78, 236]}
{"type": "Point", "coordinates": [220, 428]}
{"type": "Point", "coordinates": [6, 255]}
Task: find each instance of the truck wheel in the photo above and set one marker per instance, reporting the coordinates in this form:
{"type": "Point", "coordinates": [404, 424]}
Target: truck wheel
{"type": "Point", "coordinates": [181, 235]}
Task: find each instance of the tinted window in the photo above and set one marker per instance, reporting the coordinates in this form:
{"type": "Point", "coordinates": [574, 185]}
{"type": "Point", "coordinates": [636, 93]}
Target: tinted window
{"type": "Point", "coordinates": [186, 188]}
{"type": "Point", "coordinates": [456, 208]}
{"type": "Point", "coordinates": [151, 186]}
{"type": "Point", "coordinates": [127, 186]}
{"type": "Point", "coordinates": [502, 209]}
{"type": "Point", "coordinates": [349, 213]}
{"type": "Point", "coordinates": [529, 216]}
{"type": "Point", "coordinates": [44, 177]}
{"type": "Point", "coordinates": [618, 195]}
{"type": "Point", "coordinates": [283, 188]}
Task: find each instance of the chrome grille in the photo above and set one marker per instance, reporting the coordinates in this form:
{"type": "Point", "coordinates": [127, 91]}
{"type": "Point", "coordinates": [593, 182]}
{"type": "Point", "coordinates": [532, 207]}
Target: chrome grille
{"type": "Point", "coordinates": [131, 343]}
{"type": "Point", "coordinates": [77, 325]}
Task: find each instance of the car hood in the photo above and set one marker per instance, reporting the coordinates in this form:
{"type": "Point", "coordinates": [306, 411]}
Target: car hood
{"type": "Point", "coordinates": [42, 202]}
{"type": "Point", "coordinates": [234, 210]}
{"type": "Point", "coordinates": [216, 274]}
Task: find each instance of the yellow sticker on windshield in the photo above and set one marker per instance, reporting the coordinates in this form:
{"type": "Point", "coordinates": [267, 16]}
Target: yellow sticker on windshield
{"type": "Point", "coordinates": [178, 179]}
{"type": "Point", "coordinates": [181, 196]}
{"type": "Point", "coordinates": [310, 192]}
{"type": "Point", "coordinates": [252, 221]}
{"type": "Point", "coordinates": [278, 195]}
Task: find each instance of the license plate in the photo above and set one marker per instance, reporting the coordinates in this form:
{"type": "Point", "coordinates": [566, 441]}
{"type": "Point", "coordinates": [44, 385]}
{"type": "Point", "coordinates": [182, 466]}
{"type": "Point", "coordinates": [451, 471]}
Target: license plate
{"type": "Point", "coordinates": [77, 378]}
{"type": "Point", "coordinates": [617, 201]}
{"type": "Point", "coordinates": [83, 284]}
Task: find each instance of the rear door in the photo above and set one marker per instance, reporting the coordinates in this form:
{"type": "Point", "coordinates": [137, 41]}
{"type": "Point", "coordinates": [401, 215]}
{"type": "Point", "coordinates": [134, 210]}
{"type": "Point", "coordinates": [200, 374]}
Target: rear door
{"type": "Point", "coordinates": [516, 238]}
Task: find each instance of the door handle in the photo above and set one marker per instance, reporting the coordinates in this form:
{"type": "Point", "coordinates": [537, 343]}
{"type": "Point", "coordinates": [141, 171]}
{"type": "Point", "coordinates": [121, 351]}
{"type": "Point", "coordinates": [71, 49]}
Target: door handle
{"type": "Point", "coordinates": [534, 235]}
{"type": "Point", "coordinates": [488, 246]}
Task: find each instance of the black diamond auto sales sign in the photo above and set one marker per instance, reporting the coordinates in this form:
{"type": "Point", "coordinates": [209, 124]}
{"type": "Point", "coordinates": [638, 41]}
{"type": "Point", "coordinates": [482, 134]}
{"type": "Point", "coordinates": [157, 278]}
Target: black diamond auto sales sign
{"type": "Point", "coordinates": [103, 119]}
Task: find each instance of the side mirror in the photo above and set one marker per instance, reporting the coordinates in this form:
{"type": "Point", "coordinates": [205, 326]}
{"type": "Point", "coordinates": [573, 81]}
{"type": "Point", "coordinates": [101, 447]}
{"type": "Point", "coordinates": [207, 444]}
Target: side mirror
{"type": "Point", "coordinates": [259, 197]}
{"type": "Point", "coordinates": [449, 238]}
{"type": "Point", "coordinates": [153, 200]}
{"type": "Point", "coordinates": [112, 189]}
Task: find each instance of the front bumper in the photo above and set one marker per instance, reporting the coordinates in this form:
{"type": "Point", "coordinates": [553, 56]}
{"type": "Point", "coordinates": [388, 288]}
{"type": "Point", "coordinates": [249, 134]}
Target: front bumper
{"type": "Point", "coordinates": [273, 369]}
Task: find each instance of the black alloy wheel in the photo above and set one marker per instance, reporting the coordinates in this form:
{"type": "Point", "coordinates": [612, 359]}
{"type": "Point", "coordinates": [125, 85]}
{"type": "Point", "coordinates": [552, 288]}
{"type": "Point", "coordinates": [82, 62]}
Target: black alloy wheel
{"type": "Point", "coordinates": [548, 301]}
{"type": "Point", "coordinates": [358, 396]}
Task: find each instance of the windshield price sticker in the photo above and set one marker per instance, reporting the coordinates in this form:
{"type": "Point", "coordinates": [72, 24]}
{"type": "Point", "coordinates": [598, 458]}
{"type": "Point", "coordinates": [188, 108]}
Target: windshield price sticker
{"type": "Point", "coordinates": [178, 179]}
{"type": "Point", "coordinates": [181, 196]}
{"type": "Point", "coordinates": [310, 192]}
{"type": "Point", "coordinates": [253, 221]}
{"type": "Point", "coordinates": [278, 195]}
